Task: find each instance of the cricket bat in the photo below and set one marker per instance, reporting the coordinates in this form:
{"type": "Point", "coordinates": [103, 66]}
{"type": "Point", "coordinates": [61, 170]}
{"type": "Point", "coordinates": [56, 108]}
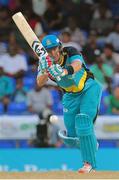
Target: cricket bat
{"type": "Point", "coordinates": [30, 36]}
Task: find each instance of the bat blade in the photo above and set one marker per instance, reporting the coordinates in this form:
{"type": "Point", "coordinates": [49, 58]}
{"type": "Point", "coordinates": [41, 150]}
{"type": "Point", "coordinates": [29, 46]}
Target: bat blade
{"type": "Point", "coordinates": [29, 35]}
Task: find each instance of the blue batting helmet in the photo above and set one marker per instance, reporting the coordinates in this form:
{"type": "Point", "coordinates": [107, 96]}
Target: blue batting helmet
{"type": "Point", "coordinates": [50, 41]}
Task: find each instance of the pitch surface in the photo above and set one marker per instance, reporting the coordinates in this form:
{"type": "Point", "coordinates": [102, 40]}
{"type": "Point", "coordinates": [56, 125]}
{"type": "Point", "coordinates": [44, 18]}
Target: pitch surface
{"type": "Point", "coordinates": [60, 175]}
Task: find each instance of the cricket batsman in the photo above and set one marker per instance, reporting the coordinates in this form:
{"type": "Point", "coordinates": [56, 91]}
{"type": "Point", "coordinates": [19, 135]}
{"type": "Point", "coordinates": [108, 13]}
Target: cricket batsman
{"type": "Point", "coordinates": [81, 97]}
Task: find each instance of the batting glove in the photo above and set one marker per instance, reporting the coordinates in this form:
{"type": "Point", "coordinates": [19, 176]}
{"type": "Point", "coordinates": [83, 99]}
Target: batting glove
{"type": "Point", "coordinates": [56, 71]}
{"type": "Point", "coordinates": [44, 64]}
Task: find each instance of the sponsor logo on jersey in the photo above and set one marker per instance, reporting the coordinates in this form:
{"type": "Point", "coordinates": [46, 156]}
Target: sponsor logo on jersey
{"type": "Point", "coordinates": [65, 110]}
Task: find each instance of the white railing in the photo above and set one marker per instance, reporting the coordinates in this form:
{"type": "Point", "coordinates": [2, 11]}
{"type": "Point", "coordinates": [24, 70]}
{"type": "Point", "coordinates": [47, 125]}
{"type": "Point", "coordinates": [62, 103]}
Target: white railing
{"type": "Point", "coordinates": [24, 126]}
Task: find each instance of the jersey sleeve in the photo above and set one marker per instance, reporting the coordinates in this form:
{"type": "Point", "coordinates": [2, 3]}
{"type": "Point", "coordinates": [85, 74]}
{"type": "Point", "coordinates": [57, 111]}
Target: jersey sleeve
{"type": "Point", "coordinates": [74, 55]}
{"type": "Point", "coordinates": [75, 58]}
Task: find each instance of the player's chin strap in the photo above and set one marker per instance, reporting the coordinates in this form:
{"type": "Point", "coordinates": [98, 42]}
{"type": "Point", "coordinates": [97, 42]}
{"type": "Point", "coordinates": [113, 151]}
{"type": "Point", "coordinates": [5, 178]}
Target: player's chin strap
{"type": "Point", "coordinates": [61, 60]}
{"type": "Point", "coordinates": [63, 57]}
{"type": "Point", "coordinates": [70, 141]}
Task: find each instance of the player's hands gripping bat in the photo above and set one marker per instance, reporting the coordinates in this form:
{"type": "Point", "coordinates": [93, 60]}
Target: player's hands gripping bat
{"type": "Point", "coordinates": [44, 64]}
{"type": "Point", "coordinates": [56, 71]}
{"type": "Point", "coordinates": [30, 36]}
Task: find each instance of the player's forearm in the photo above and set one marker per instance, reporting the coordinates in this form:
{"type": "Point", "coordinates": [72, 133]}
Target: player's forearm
{"type": "Point", "coordinates": [76, 66]}
{"type": "Point", "coordinates": [42, 79]}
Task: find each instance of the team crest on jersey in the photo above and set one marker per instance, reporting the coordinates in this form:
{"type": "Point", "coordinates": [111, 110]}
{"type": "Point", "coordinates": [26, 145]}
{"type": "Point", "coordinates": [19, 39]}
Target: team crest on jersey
{"type": "Point", "coordinates": [65, 110]}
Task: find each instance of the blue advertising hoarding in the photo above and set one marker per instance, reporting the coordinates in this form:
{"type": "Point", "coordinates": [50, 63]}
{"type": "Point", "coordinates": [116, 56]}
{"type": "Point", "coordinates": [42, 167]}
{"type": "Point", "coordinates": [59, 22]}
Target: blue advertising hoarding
{"type": "Point", "coordinates": [53, 159]}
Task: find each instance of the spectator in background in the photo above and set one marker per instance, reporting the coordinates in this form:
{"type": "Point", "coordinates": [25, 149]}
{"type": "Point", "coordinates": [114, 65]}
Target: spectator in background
{"type": "Point", "coordinates": [3, 46]}
{"type": "Point", "coordinates": [116, 76]}
{"type": "Point", "coordinates": [114, 101]}
{"type": "Point", "coordinates": [90, 47]}
{"type": "Point", "coordinates": [102, 21]}
{"type": "Point", "coordinates": [39, 7]}
{"type": "Point", "coordinates": [12, 38]}
{"type": "Point", "coordinates": [38, 100]}
{"type": "Point", "coordinates": [114, 7]}
{"type": "Point", "coordinates": [67, 41]}
{"type": "Point", "coordinates": [113, 37]}
{"type": "Point", "coordinates": [38, 29]}
{"type": "Point", "coordinates": [32, 64]}
{"type": "Point", "coordinates": [35, 22]}
{"type": "Point", "coordinates": [13, 63]}
{"type": "Point", "coordinates": [12, 41]}
{"type": "Point", "coordinates": [67, 10]}
{"type": "Point", "coordinates": [52, 15]}
{"type": "Point", "coordinates": [6, 89]}
{"type": "Point", "coordinates": [109, 56]}
{"type": "Point", "coordinates": [20, 92]}
{"type": "Point", "coordinates": [20, 5]}
{"type": "Point", "coordinates": [84, 13]}
{"type": "Point", "coordinates": [102, 71]}
{"type": "Point", "coordinates": [4, 2]}
{"type": "Point", "coordinates": [77, 35]}
{"type": "Point", "coordinates": [97, 12]}
{"type": "Point", "coordinates": [5, 20]}
{"type": "Point", "coordinates": [15, 5]}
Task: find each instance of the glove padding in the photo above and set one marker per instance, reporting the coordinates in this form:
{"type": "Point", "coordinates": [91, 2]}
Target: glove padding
{"type": "Point", "coordinates": [55, 71]}
{"type": "Point", "coordinates": [44, 63]}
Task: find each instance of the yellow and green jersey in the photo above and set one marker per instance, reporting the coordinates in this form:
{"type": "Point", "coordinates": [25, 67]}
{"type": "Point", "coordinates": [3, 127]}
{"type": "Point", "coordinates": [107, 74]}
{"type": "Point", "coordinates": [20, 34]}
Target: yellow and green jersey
{"type": "Point", "coordinates": [77, 81]}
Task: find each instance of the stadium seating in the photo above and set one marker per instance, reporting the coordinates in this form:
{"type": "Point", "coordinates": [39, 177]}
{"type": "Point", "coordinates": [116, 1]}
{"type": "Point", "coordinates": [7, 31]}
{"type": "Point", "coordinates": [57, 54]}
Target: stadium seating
{"type": "Point", "coordinates": [57, 33]}
{"type": "Point", "coordinates": [17, 108]}
{"type": "Point", "coordinates": [114, 6]}
{"type": "Point", "coordinates": [7, 143]}
{"type": "Point", "coordinates": [57, 107]}
{"type": "Point", "coordinates": [1, 108]}
{"type": "Point", "coordinates": [55, 95]}
{"type": "Point", "coordinates": [11, 143]}
{"type": "Point", "coordinates": [104, 106]}
{"type": "Point", "coordinates": [29, 82]}
{"type": "Point", "coordinates": [107, 143]}
{"type": "Point", "coordinates": [23, 143]}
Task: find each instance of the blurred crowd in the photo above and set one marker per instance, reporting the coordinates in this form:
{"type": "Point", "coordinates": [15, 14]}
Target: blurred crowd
{"type": "Point", "coordinates": [92, 26]}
